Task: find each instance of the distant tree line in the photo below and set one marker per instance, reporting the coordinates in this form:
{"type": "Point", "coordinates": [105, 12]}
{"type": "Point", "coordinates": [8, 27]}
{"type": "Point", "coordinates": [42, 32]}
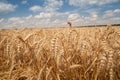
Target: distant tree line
{"type": "Point", "coordinates": [99, 25]}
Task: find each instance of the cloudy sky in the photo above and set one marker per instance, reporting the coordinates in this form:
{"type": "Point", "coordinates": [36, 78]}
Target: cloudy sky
{"type": "Point", "coordinates": [55, 13]}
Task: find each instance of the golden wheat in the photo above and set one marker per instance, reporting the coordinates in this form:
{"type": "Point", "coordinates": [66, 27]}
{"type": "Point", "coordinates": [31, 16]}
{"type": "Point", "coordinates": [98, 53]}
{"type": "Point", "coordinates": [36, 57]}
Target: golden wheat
{"type": "Point", "coordinates": [60, 54]}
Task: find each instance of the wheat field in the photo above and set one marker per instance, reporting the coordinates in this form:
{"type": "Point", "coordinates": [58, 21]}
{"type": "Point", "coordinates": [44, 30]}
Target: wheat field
{"type": "Point", "coordinates": [88, 53]}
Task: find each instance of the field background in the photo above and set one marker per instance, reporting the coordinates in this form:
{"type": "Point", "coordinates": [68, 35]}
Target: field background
{"type": "Point", "coordinates": [87, 53]}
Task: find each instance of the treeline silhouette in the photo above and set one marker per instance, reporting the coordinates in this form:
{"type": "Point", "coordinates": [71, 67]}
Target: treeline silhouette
{"type": "Point", "coordinates": [99, 25]}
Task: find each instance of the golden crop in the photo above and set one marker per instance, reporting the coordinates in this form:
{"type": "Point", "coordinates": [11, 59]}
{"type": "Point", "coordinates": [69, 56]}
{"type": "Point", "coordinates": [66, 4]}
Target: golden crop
{"type": "Point", "coordinates": [60, 54]}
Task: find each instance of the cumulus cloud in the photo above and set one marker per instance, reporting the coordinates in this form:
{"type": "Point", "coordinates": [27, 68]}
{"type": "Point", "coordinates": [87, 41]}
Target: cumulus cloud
{"type": "Point", "coordinates": [59, 19]}
{"type": "Point", "coordinates": [53, 5]}
{"type": "Point", "coordinates": [108, 17]}
{"type": "Point", "coordinates": [24, 2]}
{"type": "Point", "coordinates": [49, 16]}
{"type": "Point", "coordinates": [44, 15]}
{"type": "Point", "coordinates": [49, 6]}
{"type": "Point", "coordinates": [6, 7]}
{"type": "Point", "coordinates": [90, 2]}
{"type": "Point", "coordinates": [29, 17]}
{"type": "Point", "coordinates": [74, 16]}
{"type": "Point", "coordinates": [36, 8]}
{"type": "Point", "coordinates": [1, 20]}
{"type": "Point", "coordinates": [94, 16]}
{"type": "Point", "coordinates": [117, 10]}
{"type": "Point", "coordinates": [14, 19]}
{"type": "Point", "coordinates": [44, 19]}
{"type": "Point", "coordinates": [111, 13]}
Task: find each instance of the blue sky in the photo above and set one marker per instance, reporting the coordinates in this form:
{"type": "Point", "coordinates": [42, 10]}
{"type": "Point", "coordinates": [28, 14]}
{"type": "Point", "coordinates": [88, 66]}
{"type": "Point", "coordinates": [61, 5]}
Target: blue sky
{"type": "Point", "coordinates": [55, 13]}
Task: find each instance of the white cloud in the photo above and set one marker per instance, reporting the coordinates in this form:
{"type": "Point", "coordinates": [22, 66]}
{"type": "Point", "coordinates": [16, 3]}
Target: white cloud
{"type": "Point", "coordinates": [6, 7]}
{"type": "Point", "coordinates": [117, 11]}
{"type": "Point", "coordinates": [29, 17]}
{"type": "Point", "coordinates": [53, 5]}
{"type": "Point", "coordinates": [74, 16]}
{"type": "Point", "coordinates": [108, 13]}
{"type": "Point", "coordinates": [90, 2]}
{"type": "Point", "coordinates": [76, 19]}
{"type": "Point", "coordinates": [94, 16]}
{"type": "Point", "coordinates": [1, 20]}
{"type": "Point", "coordinates": [102, 2]}
{"type": "Point", "coordinates": [14, 19]}
{"type": "Point", "coordinates": [36, 8]}
{"type": "Point", "coordinates": [24, 2]}
{"type": "Point", "coordinates": [59, 19]}
{"type": "Point", "coordinates": [44, 15]}
{"type": "Point", "coordinates": [111, 13]}
{"type": "Point", "coordinates": [44, 19]}
{"type": "Point", "coordinates": [49, 6]}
